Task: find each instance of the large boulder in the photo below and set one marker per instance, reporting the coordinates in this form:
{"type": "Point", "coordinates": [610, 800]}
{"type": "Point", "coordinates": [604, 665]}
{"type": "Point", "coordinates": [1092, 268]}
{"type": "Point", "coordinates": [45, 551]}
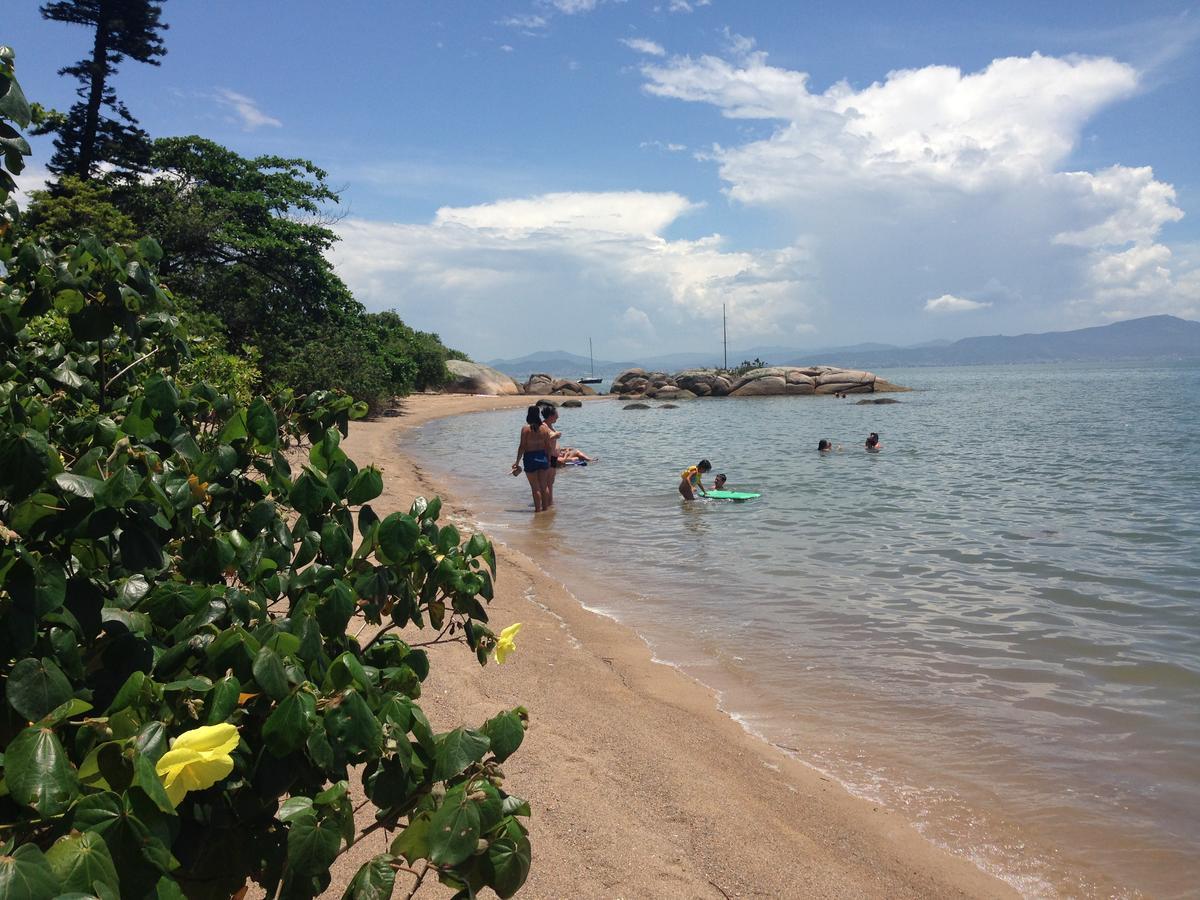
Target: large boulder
{"type": "Point", "coordinates": [763, 386]}
{"type": "Point", "coordinates": [539, 384]}
{"type": "Point", "coordinates": [542, 385]}
{"type": "Point", "coordinates": [473, 378]}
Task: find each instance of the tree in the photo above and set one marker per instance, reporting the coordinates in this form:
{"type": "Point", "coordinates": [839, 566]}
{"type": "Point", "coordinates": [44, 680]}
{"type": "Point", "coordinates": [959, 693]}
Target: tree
{"type": "Point", "coordinates": [72, 207]}
{"type": "Point", "coordinates": [181, 698]}
{"type": "Point", "coordinates": [86, 138]}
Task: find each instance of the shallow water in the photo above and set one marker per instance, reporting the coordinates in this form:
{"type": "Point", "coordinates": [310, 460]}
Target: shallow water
{"type": "Point", "coordinates": [992, 625]}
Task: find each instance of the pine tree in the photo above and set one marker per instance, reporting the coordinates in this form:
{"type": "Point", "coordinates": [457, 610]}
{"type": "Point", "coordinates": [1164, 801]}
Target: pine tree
{"type": "Point", "coordinates": [86, 137]}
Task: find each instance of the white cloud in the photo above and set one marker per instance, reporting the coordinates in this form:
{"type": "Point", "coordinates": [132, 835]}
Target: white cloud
{"type": "Point", "coordinates": [642, 45]}
{"type": "Point", "coordinates": [502, 272]}
{"type": "Point", "coordinates": [686, 6]}
{"type": "Point", "coordinates": [574, 7]}
{"type": "Point", "coordinates": [934, 176]}
{"type": "Point", "coordinates": [948, 303]}
{"type": "Point", "coordinates": [247, 110]}
{"type": "Point", "coordinates": [659, 145]}
{"type": "Point", "coordinates": [529, 22]}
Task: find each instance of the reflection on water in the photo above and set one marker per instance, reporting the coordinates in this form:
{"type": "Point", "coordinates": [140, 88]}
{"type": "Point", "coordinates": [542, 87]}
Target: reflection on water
{"type": "Point", "coordinates": [992, 625]}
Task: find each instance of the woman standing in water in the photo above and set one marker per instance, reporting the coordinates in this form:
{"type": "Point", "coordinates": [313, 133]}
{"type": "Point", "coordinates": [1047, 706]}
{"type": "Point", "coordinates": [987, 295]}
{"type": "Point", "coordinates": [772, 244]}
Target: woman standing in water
{"type": "Point", "coordinates": [551, 436]}
{"type": "Point", "coordinates": [534, 454]}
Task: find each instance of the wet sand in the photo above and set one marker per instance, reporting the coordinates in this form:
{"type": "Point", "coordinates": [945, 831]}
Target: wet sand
{"type": "Point", "coordinates": [639, 785]}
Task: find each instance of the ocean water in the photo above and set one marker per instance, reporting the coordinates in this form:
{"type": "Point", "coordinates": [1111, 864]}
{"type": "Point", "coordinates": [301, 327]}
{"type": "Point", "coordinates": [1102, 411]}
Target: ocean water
{"type": "Point", "coordinates": [992, 626]}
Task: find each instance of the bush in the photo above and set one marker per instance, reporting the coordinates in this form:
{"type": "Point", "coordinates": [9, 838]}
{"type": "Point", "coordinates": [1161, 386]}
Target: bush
{"type": "Point", "coordinates": [180, 701]}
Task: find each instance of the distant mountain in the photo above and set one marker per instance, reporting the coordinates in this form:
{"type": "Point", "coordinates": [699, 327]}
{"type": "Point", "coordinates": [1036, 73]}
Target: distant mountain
{"type": "Point", "coordinates": [1151, 337]}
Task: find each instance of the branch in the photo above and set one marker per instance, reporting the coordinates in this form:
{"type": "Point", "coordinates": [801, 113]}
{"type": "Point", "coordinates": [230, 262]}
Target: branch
{"type": "Point", "coordinates": [136, 362]}
{"type": "Point", "coordinates": [417, 886]}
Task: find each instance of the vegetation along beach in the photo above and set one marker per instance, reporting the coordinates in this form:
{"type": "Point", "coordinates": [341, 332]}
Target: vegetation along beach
{"type": "Point", "coordinates": [578, 448]}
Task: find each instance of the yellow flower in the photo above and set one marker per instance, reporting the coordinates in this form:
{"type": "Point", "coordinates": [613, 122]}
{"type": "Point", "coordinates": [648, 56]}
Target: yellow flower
{"type": "Point", "coordinates": [198, 759]}
{"type": "Point", "coordinates": [504, 644]}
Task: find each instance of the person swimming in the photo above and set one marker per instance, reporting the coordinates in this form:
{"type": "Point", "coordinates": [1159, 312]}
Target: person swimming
{"type": "Point", "coordinates": [823, 446]}
{"type": "Point", "coordinates": [690, 479]}
{"type": "Point", "coordinates": [872, 443]}
{"type": "Point", "coordinates": [719, 482]}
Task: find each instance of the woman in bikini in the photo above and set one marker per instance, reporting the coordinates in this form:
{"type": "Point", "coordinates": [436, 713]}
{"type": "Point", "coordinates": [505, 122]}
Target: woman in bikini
{"type": "Point", "coordinates": [533, 454]}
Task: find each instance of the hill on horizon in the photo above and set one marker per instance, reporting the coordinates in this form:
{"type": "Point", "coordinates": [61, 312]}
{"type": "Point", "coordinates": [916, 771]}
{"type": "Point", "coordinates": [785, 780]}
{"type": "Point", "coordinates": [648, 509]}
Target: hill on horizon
{"type": "Point", "coordinates": [1148, 337]}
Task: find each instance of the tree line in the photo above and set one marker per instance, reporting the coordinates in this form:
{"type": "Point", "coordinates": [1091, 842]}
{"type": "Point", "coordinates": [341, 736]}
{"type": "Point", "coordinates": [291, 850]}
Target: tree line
{"type": "Point", "coordinates": [244, 240]}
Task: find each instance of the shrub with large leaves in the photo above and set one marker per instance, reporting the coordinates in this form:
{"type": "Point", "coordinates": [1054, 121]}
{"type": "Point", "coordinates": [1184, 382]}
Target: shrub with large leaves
{"type": "Point", "coordinates": [181, 702]}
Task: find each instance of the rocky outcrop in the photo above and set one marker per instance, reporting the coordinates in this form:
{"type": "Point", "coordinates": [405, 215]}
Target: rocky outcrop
{"type": "Point", "coordinates": [543, 385]}
{"type": "Point", "coordinates": [472, 378]}
{"type": "Point", "coordinates": [771, 381]}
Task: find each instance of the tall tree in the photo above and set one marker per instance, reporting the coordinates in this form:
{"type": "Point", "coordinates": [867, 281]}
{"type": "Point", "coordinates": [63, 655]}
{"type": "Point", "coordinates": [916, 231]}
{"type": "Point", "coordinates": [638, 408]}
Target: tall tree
{"type": "Point", "coordinates": [86, 136]}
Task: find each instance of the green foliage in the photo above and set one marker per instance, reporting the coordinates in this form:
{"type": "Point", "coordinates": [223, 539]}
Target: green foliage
{"type": "Point", "coordinates": [748, 365]}
{"type": "Point", "coordinates": [166, 568]}
{"type": "Point", "coordinates": [86, 138]}
{"type": "Point", "coordinates": [73, 207]}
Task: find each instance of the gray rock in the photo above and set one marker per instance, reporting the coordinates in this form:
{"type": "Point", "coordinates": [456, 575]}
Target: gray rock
{"type": "Point", "coordinates": [549, 403]}
{"type": "Point", "coordinates": [668, 406]}
{"type": "Point", "coordinates": [572, 404]}
{"type": "Point", "coordinates": [472, 378]}
{"type": "Point", "coordinates": [635, 406]}
{"type": "Point", "coordinates": [880, 401]}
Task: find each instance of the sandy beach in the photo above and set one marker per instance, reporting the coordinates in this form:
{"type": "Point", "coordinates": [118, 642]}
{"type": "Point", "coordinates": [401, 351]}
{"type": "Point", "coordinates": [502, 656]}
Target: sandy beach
{"type": "Point", "coordinates": [640, 786]}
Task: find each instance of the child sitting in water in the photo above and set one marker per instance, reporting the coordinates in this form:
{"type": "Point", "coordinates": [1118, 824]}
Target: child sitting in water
{"type": "Point", "coordinates": [690, 479]}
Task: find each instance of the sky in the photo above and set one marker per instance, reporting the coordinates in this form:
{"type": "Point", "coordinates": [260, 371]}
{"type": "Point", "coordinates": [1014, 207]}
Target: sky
{"type": "Point", "coordinates": [521, 176]}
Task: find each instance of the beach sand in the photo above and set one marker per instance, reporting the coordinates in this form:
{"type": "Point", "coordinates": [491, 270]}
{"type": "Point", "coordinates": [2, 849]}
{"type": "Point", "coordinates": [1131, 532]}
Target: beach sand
{"type": "Point", "coordinates": [640, 786]}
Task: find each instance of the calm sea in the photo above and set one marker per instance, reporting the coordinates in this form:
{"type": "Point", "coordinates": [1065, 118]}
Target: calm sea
{"type": "Point", "coordinates": [993, 625]}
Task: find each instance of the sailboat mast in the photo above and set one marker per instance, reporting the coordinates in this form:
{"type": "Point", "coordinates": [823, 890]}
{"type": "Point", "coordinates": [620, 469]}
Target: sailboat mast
{"type": "Point", "coordinates": [591, 359]}
{"type": "Point", "coordinates": [724, 336]}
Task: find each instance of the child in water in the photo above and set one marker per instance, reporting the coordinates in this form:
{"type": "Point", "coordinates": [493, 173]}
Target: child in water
{"type": "Point", "coordinates": [690, 479]}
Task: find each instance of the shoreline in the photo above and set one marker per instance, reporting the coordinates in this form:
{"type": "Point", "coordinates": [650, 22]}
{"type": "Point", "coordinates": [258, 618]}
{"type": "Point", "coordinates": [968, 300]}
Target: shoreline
{"type": "Point", "coordinates": [640, 784]}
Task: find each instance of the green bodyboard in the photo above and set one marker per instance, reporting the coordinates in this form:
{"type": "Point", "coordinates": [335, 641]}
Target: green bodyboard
{"type": "Point", "coordinates": [733, 495]}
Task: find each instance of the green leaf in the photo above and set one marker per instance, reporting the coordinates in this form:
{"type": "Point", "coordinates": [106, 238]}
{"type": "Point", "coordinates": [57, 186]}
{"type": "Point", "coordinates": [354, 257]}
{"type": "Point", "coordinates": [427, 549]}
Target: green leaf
{"type": "Point", "coordinates": [79, 485]}
{"type": "Point", "coordinates": [36, 687]}
{"type": "Point", "coordinates": [26, 460]}
{"type": "Point", "coordinates": [25, 875]}
{"type": "Point", "coordinates": [262, 424]}
{"type": "Point", "coordinates": [308, 495]}
{"type": "Point", "coordinates": [365, 486]}
{"type": "Point", "coordinates": [288, 726]}
{"type": "Point", "coordinates": [161, 394]}
{"type": "Point", "coordinates": [312, 846]}
{"type": "Point", "coordinates": [119, 488]}
{"type": "Point", "coordinates": [351, 726]}
{"type": "Point", "coordinates": [38, 772]}
{"type": "Point", "coordinates": [294, 807]}
{"type": "Point", "coordinates": [13, 104]}
{"type": "Point", "coordinates": [509, 861]}
{"type": "Point", "coordinates": [413, 842]}
{"type": "Point", "coordinates": [505, 731]}
{"type": "Point", "coordinates": [453, 830]}
{"type": "Point", "coordinates": [456, 750]}
{"type": "Point", "coordinates": [80, 861]}
{"type": "Point", "coordinates": [235, 428]}
{"type": "Point", "coordinates": [61, 713]}
{"type": "Point", "coordinates": [374, 881]}
{"type": "Point", "coordinates": [269, 673]}
{"type": "Point", "coordinates": [398, 535]}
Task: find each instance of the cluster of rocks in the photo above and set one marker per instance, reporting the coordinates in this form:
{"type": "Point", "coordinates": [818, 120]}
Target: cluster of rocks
{"type": "Point", "coordinates": [473, 378]}
{"type": "Point", "coordinates": [766, 382]}
{"type": "Point", "coordinates": [543, 385]}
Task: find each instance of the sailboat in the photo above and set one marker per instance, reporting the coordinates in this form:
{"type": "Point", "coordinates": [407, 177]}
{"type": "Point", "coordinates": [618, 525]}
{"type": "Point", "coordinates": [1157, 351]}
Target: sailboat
{"type": "Point", "coordinates": [590, 379]}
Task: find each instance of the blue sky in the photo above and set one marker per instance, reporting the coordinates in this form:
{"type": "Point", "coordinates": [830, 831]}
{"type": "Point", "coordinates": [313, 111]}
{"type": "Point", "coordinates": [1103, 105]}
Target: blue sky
{"type": "Point", "coordinates": [521, 175]}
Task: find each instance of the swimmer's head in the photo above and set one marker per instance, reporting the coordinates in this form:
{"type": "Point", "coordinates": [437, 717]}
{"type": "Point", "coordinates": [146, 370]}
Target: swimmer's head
{"type": "Point", "coordinates": [704, 466]}
{"type": "Point", "coordinates": [720, 481]}
{"type": "Point", "coordinates": [533, 416]}
{"type": "Point", "coordinates": [824, 445]}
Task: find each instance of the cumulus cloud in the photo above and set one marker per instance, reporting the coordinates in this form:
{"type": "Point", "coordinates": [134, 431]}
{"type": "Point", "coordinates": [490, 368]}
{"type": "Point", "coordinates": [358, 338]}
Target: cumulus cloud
{"type": "Point", "coordinates": [526, 21]}
{"type": "Point", "coordinates": [574, 7]}
{"type": "Point", "coordinates": [948, 303]}
{"type": "Point", "coordinates": [246, 110]}
{"type": "Point", "coordinates": [934, 175]}
{"type": "Point", "coordinates": [642, 45]}
{"type": "Point", "coordinates": [504, 275]}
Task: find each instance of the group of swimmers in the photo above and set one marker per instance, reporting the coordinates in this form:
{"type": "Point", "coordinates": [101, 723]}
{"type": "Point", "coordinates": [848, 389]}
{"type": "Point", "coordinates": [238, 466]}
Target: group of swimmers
{"type": "Point", "coordinates": [691, 479]}
{"type": "Point", "coordinates": [539, 454]}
